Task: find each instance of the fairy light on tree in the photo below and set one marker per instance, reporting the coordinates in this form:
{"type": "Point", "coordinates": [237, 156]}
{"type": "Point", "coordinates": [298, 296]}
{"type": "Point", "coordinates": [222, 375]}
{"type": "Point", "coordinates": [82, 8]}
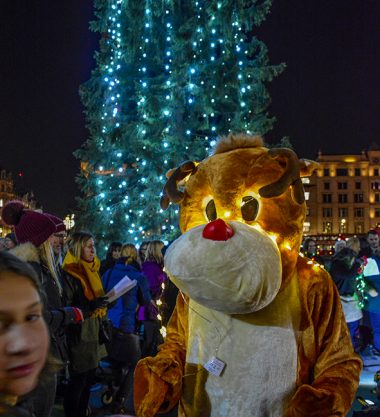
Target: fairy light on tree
{"type": "Point", "coordinates": [168, 81]}
{"type": "Point", "coordinates": [361, 284]}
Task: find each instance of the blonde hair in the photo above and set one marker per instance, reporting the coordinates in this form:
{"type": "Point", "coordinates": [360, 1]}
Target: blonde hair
{"type": "Point", "coordinates": [46, 254]}
{"type": "Point", "coordinates": [154, 252]}
{"type": "Point", "coordinates": [129, 251]}
{"type": "Point", "coordinates": [353, 243]}
{"type": "Point", "coordinates": [76, 243]}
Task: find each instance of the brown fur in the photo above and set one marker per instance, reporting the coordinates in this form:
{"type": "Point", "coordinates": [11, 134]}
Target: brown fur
{"type": "Point", "coordinates": [328, 369]}
{"type": "Point", "coordinates": [239, 140]}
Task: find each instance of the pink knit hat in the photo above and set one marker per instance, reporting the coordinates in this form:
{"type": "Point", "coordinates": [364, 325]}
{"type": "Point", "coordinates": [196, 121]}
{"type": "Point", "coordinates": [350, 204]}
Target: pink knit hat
{"type": "Point", "coordinates": [60, 226]}
{"type": "Point", "coordinates": [29, 226]}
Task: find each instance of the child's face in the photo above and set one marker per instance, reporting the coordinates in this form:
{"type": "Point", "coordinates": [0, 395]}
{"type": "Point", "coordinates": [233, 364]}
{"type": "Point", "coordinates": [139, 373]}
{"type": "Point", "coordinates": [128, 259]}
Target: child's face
{"type": "Point", "coordinates": [24, 340]}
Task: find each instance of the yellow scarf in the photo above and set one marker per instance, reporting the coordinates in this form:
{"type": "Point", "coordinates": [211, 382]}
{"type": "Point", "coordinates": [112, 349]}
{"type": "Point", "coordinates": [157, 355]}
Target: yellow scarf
{"type": "Point", "coordinates": [88, 275]}
{"type": "Point", "coordinates": [7, 401]}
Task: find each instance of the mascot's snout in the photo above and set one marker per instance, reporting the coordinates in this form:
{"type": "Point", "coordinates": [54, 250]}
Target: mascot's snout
{"type": "Point", "coordinates": [235, 269]}
{"type": "Point", "coordinates": [218, 230]}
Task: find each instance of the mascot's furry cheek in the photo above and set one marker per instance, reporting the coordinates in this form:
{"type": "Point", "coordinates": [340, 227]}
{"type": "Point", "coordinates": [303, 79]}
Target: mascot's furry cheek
{"type": "Point", "coordinates": [237, 276]}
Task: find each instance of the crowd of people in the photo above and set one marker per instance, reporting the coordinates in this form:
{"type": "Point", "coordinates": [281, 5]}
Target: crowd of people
{"type": "Point", "coordinates": [74, 325]}
{"type": "Point", "coordinates": [354, 267]}
{"type": "Point", "coordinates": [57, 324]}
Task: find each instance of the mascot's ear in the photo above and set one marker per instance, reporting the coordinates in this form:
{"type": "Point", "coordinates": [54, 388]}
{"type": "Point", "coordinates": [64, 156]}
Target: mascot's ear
{"type": "Point", "coordinates": [170, 173]}
{"type": "Point", "coordinates": [175, 177]}
{"type": "Point", "coordinates": [307, 167]}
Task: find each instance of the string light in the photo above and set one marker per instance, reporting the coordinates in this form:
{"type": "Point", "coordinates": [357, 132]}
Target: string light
{"type": "Point", "coordinates": [158, 91]}
{"type": "Point", "coordinates": [361, 285]}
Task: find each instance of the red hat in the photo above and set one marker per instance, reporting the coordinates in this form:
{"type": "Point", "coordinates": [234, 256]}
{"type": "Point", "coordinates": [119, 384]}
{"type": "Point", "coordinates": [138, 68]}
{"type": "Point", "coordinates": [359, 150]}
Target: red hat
{"type": "Point", "coordinates": [59, 225]}
{"type": "Point", "coordinates": [29, 226]}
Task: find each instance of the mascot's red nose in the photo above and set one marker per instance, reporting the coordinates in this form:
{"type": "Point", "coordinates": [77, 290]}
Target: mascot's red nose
{"type": "Point", "coordinates": [218, 230]}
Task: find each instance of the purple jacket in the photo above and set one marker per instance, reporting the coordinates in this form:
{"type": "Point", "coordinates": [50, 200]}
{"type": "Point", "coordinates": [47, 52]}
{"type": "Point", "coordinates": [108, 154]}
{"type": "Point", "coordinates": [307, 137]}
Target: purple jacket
{"type": "Point", "coordinates": [155, 277]}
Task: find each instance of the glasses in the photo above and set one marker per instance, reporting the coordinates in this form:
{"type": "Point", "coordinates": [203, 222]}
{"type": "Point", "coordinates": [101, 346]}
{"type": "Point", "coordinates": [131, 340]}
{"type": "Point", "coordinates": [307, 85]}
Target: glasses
{"type": "Point", "coordinates": [60, 235]}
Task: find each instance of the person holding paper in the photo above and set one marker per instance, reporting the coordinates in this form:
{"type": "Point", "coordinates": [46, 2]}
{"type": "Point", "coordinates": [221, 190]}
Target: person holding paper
{"type": "Point", "coordinates": [83, 288]}
{"type": "Point", "coordinates": [124, 350]}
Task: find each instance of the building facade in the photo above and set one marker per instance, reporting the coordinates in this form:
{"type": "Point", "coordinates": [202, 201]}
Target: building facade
{"type": "Point", "coordinates": [343, 195]}
{"type": "Point", "coordinates": [7, 193]}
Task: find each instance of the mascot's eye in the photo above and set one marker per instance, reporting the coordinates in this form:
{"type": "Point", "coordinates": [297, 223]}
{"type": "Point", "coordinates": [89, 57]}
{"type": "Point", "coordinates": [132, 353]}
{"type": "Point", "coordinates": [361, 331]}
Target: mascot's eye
{"type": "Point", "coordinates": [211, 211]}
{"type": "Point", "coordinates": [249, 208]}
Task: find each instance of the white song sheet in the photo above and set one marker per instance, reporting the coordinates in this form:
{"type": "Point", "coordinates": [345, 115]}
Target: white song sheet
{"type": "Point", "coordinates": [123, 286]}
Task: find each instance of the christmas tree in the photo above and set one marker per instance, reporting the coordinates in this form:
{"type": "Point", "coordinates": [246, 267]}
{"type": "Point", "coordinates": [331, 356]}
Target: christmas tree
{"type": "Point", "coordinates": [171, 77]}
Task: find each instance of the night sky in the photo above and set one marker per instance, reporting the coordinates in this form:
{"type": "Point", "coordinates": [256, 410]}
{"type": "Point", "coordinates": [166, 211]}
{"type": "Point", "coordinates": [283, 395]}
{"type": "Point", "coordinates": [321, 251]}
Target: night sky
{"type": "Point", "coordinates": [327, 99]}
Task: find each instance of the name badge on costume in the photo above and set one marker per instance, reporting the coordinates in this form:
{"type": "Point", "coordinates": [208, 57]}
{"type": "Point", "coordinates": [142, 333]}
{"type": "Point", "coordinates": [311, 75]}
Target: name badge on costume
{"type": "Point", "coordinates": [215, 366]}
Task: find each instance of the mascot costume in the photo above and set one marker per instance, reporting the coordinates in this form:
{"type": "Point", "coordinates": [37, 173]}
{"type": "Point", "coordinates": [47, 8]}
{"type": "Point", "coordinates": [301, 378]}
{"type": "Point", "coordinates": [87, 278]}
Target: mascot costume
{"type": "Point", "coordinates": [258, 330]}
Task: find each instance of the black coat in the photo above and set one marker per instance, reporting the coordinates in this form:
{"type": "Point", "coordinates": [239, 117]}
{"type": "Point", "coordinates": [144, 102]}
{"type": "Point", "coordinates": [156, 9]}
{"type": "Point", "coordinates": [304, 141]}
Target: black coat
{"type": "Point", "coordinates": [56, 315]}
{"type": "Point", "coordinates": [17, 411]}
{"type": "Point", "coordinates": [23, 408]}
{"type": "Point", "coordinates": [344, 277]}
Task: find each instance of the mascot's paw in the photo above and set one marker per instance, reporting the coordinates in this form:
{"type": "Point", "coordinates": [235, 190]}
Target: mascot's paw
{"type": "Point", "coordinates": [158, 386]}
{"type": "Point", "coordinates": [311, 402]}
{"type": "Point", "coordinates": [150, 390]}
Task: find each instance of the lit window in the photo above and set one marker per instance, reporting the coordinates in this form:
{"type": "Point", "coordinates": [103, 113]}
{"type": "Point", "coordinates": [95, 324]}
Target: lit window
{"type": "Point", "coordinates": [359, 227]}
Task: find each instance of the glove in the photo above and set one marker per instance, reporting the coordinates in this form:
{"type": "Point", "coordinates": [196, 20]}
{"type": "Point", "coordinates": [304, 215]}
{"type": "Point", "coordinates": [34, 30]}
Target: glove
{"type": "Point", "coordinates": [98, 303]}
{"type": "Point", "coordinates": [73, 314]}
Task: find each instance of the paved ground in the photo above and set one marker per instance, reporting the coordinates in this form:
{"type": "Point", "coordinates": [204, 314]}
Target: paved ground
{"type": "Point", "coordinates": [367, 390]}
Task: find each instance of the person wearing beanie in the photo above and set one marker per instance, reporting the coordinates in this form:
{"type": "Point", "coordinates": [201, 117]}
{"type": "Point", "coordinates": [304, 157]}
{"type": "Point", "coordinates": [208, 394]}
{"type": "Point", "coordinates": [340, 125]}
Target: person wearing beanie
{"type": "Point", "coordinates": [57, 239]}
{"type": "Point", "coordinates": [32, 230]}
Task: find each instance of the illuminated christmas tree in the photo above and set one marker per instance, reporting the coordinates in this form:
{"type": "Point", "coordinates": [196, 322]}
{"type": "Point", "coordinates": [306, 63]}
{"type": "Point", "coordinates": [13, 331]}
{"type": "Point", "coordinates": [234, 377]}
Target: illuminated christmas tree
{"type": "Point", "coordinates": [171, 77]}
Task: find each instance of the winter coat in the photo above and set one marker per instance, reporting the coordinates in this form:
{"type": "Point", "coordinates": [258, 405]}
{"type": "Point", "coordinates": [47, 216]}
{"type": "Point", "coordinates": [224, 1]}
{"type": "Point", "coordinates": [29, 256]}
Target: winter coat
{"type": "Point", "coordinates": [123, 314]}
{"type": "Point", "coordinates": [155, 276]}
{"type": "Point", "coordinates": [17, 411]}
{"type": "Point", "coordinates": [344, 278]}
{"type": "Point", "coordinates": [85, 351]}
{"type": "Point", "coordinates": [56, 315]}
{"type": "Point", "coordinates": [22, 408]}
{"type": "Point", "coordinates": [106, 264]}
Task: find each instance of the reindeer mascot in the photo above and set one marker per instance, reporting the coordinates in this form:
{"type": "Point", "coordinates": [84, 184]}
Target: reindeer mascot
{"type": "Point", "coordinates": [258, 330]}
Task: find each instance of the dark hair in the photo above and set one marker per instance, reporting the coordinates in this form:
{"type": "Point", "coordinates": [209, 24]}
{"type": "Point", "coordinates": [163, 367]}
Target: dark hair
{"type": "Point", "coordinates": [345, 255]}
{"type": "Point", "coordinates": [372, 232]}
{"type": "Point", "coordinates": [143, 246]}
{"type": "Point", "coordinates": [306, 242]}
{"type": "Point", "coordinates": [112, 247]}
